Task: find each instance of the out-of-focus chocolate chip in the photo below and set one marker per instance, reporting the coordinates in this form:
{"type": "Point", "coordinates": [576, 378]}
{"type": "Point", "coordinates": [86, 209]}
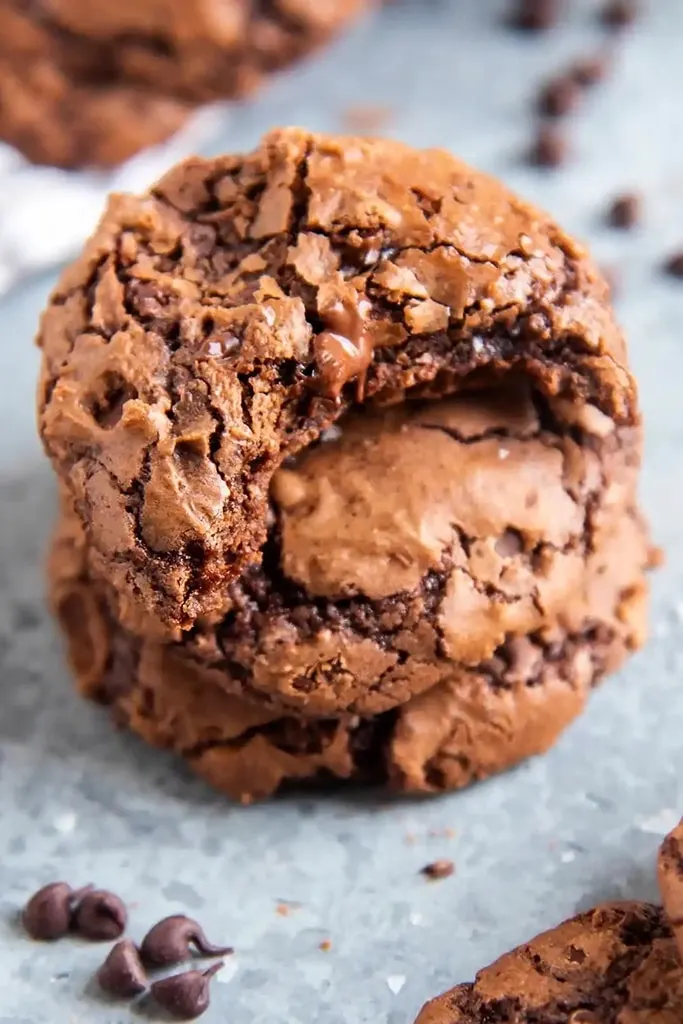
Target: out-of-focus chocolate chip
{"type": "Point", "coordinates": [559, 97]}
{"type": "Point", "coordinates": [534, 15]}
{"type": "Point", "coordinates": [549, 148]}
{"type": "Point", "coordinates": [619, 13]}
{"type": "Point", "coordinates": [624, 211]}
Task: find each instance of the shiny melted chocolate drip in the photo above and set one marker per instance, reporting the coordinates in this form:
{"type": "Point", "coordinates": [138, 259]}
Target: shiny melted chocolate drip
{"type": "Point", "coordinates": [344, 350]}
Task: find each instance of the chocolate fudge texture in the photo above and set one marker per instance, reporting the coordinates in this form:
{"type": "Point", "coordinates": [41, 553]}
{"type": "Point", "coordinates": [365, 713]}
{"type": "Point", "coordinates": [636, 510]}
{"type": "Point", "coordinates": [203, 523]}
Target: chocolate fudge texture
{"type": "Point", "coordinates": [348, 449]}
{"type": "Point", "coordinates": [92, 83]}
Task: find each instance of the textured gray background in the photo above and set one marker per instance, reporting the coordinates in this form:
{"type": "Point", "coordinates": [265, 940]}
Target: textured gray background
{"type": "Point", "coordinates": [82, 802]}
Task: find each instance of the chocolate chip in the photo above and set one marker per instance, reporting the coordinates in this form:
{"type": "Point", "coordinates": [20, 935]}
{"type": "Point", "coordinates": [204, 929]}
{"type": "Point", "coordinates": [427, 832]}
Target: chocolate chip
{"type": "Point", "coordinates": [624, 211]}
{"type": "Point", "coordinates": [100, 915]}
{"type": "Point", "coordinates": [619, 13]}
{"type": "Point", "coordinates": [559, 96]}
{"type": "Point", "coordinates": [438, 869]}
{"type": "Point", "coordinates": [589, 70]}
{"type": "Point", "coordinates": [674, 265]}
{"type": "Point", "coordinates": [47, 915]}
{"type": "Point", "coordinates": [185, 996]}
{"type": "Point", "coordinates": [169, 941]}
{"type": "Point", "coordinates": [535, 15]}
{"type": "Point", "coordinates": [549, 148]}
{"type": "Point", "coordinates": [122, 974]}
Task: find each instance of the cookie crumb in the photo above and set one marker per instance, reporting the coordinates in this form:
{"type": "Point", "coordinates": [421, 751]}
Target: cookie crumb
{"type": "Point", "coordinates": [549, 148]}
{"type": "Point", "coordinates": [559, 97]}
{"type": "Point", "coordinates": [624, 211]}
{"type": "Point", "coordinates": [325, 945]}
{"type": "Point", "coordinates": [655, 557]}
{"type": "Point", "coordinates": [438, 869]}
{"type": "Point", "coordinates": [534, 15]}
{"type": "Point", "coordinates": [282, 909]}
{"type": "Point", "coordinates": [674, 265]}
{"type": "Point", "coordinates": [619, 13]}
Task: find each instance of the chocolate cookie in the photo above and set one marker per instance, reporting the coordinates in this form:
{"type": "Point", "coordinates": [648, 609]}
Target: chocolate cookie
{"type": "Point", "coordinates": [412, 542]}
{"type": "Point", "coordinates": [219, 325]}
{"type": "Point", "coordinates": [616, 964]}
{"type": "Point", "coordinates": [670, 876]}
{"type": "Point", "coordinates": [472, 723]}
{"type": "Point", "coordinates": [91, 83]}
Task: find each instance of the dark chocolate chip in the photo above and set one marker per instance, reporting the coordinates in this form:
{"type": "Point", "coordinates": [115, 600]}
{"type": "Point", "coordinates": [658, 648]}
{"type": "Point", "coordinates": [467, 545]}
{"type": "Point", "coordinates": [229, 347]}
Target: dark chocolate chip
{"type": "Point", "coordinates": [185, 996]}
{"type": "Point", "coordinates": [674, 265]}
{"type": "Point", "coordinates": [619, 13]}
{"type": "Point", "coordinates": [535, 15]}
{"type": "Point", "coordinates": [122, 974]}
{"type": "Point", "coordinates": [100, 916]}
{"type": "Point", "coordinates": [589, 70]}
{"type": "Point", "coordinates": [169, 942]}
{"type": "Point", "coordinates": [624, 211]}
{"type": "Point", "coordinates": [438, 869]}
{"type": "Point", "coordinates": [559, 97]}
{"type": "Point", "coordinates": [47, 915]}
{"type": "Point", "coordinates": [549, 148]}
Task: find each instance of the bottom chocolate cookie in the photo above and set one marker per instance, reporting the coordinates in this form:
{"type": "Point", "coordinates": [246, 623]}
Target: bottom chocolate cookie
{"type": "Point", "coordinates": [474, 724]}
{"type": "Point", "coordinates": [615, 964]}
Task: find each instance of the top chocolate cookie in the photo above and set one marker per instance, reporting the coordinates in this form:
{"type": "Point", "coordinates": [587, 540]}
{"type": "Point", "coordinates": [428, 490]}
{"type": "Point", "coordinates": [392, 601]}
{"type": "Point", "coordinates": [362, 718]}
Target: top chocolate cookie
{"type": "Point", "coordinates": [220, 323]}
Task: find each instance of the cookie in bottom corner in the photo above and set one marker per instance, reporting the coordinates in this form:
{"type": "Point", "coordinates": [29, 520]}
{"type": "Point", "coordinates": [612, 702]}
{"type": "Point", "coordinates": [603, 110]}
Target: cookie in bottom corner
{"type": "Point", "coordinates": [615, 964]}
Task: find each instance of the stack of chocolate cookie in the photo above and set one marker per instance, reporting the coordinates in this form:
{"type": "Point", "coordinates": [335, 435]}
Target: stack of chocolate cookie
{"type": "Point", "coordinates": [348, 448]}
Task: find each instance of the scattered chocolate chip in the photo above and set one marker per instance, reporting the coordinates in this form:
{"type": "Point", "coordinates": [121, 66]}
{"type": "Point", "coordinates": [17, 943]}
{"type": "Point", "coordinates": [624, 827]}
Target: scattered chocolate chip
{"type": "Point", "coordinates": [549, 148]}
{"type": "Point", "coordinates": [100, 916]}
{"type": "Point", "coordinates": [559, 97]}
{"type": "Point", "coordinates": [438, 869]}
{"type": "Point", "coordinates": [674, 265]}
{"type": "Point", "coordinates": [47, 915]}
{"type": "Point", "coordinates": [122, 974]}
{"type": "Point", "coordinates": [624, 211]}
{"type": "Point", "coordinates": [169, 941]}
{"type": "Point", "coordinates": [185, 996]}
{"type": "Point", "coordinates": [589, 70]}
{"type": "Point", "coordinates": [619, 13]}
{"type": "Point", "coordinates": [535, 15]}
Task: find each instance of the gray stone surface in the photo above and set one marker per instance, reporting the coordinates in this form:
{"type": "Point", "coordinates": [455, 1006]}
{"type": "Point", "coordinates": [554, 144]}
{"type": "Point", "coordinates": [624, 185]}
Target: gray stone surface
{"type": "Point", "coordinates": [80, 801]}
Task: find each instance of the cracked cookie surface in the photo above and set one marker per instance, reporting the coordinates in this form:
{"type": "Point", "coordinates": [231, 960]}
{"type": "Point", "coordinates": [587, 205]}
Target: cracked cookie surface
{"type": "Point", "coordinates": [472, 723]}
{"type": "Point", "coordinates": [219, 325]}
{"type": "Point", "coordinates": [91, 84]}
{"type": "Point", "coordinates": [615, 964]}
